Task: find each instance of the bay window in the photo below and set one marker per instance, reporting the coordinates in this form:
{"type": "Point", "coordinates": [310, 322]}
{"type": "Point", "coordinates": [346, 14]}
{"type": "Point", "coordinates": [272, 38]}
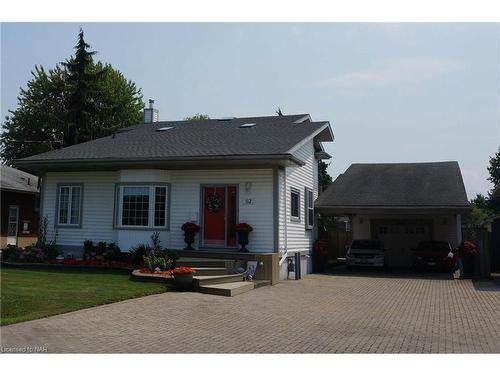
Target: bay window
{"type": "Point", "coordinates": [142, 206]}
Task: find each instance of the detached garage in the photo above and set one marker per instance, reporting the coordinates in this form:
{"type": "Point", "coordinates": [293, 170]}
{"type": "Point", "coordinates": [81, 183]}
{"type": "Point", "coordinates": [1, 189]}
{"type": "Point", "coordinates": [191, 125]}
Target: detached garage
{"type": "Point", "coordinates": [399, 204]}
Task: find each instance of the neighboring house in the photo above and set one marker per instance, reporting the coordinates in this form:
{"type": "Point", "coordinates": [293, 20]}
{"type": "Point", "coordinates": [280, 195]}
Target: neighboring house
{"type": "Point", "coordinates": [399, 204]}
{"type": "Point", "coordinates": [19, 207]}
{"type": "Point", "coordinates": [156, 176]}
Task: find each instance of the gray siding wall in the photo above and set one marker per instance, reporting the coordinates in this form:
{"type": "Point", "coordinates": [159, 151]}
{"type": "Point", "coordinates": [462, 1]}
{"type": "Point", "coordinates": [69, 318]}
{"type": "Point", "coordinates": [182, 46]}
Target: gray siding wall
{"type": "Point", "coordinates": [98, 204]}
{"type": "Point", "coordinates": [298, 237]}
{"type": "Point", "coordinates": [255, 204]}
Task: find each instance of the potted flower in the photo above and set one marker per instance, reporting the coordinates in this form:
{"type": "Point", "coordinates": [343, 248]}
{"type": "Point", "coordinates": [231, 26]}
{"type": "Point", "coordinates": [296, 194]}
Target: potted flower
{"type": "Point", "coordinates": [183, 278]}
{"type": "Point", "coordinates": [190, 230]}
{"type": "Point", "coordinates": [243, 229]}
{"type": "Point", "coordinates": [467, 252]}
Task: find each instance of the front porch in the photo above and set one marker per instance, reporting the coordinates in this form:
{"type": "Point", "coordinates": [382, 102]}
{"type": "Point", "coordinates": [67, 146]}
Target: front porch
{"type": "Point", "coordinates": [267, 263]}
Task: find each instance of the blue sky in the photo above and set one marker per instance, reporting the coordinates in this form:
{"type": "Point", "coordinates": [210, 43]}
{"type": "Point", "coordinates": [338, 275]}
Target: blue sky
{"type": "Point", "coordinates": [392, 92]}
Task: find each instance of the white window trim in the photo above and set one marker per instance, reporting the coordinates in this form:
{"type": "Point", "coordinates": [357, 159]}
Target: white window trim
{"type": "Point", "coordinates": [152, 204]}
{"type": "Point", "coordinates": [292, 216]}
{"type": "Point", "coordinates": [71, 186]}
{"type": "Point", "coordinates": [307, 208]}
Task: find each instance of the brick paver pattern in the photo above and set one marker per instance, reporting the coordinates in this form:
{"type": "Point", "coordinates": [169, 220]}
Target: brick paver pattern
{"type": "Point", "coordinates": [318, 314]}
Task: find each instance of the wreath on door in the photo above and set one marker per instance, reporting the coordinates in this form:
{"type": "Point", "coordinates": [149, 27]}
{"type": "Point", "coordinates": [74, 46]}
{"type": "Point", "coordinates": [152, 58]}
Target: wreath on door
{"type": "Point", "coordinates": [213, 202]}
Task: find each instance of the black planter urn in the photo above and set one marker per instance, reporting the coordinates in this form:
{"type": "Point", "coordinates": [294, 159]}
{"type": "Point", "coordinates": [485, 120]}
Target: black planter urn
{"type": "Point", "coordinates": [243, 240]}
{"type": "Point", "coordinates": [189, 239]}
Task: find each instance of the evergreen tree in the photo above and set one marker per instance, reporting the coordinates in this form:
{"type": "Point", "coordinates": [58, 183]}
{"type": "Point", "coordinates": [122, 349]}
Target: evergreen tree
{"type": "Point", "coordinates": [85, 95]}
{"type": "Point", "coordinates": [324, 179]}
{"type": "Point", "coordinates": [494, 169]}
{"type": "Point", "coordinates": [77, 101]}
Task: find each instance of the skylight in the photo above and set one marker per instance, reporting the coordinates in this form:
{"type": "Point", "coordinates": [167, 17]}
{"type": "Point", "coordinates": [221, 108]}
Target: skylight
{"type": "Point", "coordinates": [164, 128]}
{"type": "Point", "coordinates": [250, 125]}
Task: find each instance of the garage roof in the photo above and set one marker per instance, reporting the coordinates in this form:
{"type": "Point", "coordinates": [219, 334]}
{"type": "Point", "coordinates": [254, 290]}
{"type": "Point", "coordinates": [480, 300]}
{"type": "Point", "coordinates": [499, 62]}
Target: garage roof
{"type": "Point", "coordinates": [397, 185]}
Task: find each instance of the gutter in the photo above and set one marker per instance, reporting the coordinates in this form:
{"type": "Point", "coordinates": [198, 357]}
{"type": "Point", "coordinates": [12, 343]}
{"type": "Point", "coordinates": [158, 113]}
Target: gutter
{"type": "Point", "coordinates": [110, 162]}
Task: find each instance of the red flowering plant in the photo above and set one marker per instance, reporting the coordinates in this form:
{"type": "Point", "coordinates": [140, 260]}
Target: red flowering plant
{"type": "Point", "coordinates": [467, 249]}
{"type": "Point", "coordinates": [182, 271]}
{"type": "Point", "coordinates": [190, 227]}
{"type": "Point", "coordinates": [243, 227]}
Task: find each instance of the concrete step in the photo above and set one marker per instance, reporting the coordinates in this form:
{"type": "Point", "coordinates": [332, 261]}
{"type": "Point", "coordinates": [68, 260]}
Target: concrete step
{"type": "Point", "coordinates": [210, 271]}
{"type": "Point", "coordinates": [227, 289]}
{"type": "Point", "coordinates": [203, 263]}
{"type": "Point", "coordinates": [261, 283]}
{"type": "Point", "coordinates": [200, 281]}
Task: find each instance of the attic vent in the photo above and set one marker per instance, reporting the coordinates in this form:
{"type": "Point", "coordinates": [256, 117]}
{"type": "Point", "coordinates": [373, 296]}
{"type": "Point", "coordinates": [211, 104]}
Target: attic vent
{"type": "Point", "coordinates": [164, 128]}
{"type": "Point", "coordinates": [247, 125]}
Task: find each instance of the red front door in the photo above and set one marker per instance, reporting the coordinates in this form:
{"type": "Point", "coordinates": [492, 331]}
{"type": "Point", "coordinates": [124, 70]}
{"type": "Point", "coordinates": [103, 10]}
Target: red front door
{"type": "Point", "coordinates": [219, 216]}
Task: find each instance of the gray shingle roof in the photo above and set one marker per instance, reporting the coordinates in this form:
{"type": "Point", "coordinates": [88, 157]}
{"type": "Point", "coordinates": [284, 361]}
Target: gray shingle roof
{"type": "Point", "coordinates": [437, 184]}
{"type": "Point", "coordinates": [16, 180]}
{"type": "Point", "coordinates": [202, 138]}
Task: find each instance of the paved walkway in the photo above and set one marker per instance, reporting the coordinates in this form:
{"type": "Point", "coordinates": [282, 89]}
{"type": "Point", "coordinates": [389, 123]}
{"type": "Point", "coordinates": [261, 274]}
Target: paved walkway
{"type": "Point", "coordinates": [321, 313]}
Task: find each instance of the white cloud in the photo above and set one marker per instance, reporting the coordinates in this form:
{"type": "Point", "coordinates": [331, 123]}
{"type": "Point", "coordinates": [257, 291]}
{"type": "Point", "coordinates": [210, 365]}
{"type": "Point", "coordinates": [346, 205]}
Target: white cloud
{"type": "Point", "coordinates": [391, 72]}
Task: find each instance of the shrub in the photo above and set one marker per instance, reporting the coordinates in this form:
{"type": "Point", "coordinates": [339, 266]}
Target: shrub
{"type": "Point", "coordinates": [155, 240]}
{"type": "Point", "coordinates": [101, 248]}
{"type": "Point", "coordinates": [153, 262]}
{"type": "Point", "coordinates": [11, 253]}
{"type": "Point", "coordinates": [49, 248]}
{"type": "Point", "coordinates": [50, 251]}
{"type": "Point", "coordinates": [172, 254]}
{"type": "Point", "coordinates": [138, 252]}
{"type": "Point", "coordinates": [32, 254]}
{"type": "Point", "coordinates": [112, 252]}
{"type": "Point", "coordinates": [88, 249]}
{"type": "Point", "coordinates": [155, 250]}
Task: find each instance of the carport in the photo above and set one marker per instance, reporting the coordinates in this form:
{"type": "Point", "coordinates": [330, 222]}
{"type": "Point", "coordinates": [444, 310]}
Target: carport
{"type": "Point", "coordinates": [400, 204]}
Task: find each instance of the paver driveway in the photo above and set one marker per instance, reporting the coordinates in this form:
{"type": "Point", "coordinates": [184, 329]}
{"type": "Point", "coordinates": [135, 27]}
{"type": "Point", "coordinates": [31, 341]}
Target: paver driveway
{"type": "Point", "coordinates": [320, 313]}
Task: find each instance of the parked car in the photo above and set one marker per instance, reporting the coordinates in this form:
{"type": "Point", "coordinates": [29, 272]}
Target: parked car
{"type": "Point", "coordinates": [365, 253]}
{"type": "Point", "coordinates": [435, 256]}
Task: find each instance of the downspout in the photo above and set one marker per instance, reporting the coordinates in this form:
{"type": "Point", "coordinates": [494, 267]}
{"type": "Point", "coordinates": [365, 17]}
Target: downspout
{"type": "Point", "coordinates": [283, 257]}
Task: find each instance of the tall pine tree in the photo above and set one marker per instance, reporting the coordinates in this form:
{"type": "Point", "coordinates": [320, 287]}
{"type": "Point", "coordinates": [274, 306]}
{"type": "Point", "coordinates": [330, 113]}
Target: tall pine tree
{"type": "Point", "coordinates": [77, 101]}
{"type": "Point", "coordinates": [82, 102]}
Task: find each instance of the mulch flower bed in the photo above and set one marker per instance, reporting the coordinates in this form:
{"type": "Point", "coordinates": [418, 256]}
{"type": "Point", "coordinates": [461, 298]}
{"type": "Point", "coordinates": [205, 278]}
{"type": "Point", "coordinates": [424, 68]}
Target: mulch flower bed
{"type": "Point", "coordinates": [148, 271]}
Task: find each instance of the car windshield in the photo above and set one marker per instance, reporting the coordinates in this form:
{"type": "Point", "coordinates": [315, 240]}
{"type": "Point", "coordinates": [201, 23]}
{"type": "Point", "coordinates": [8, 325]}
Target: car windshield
{"type": "Point", "coordinates": [366, 244]}
{"type": "Point", "coordinates": [433, 246]}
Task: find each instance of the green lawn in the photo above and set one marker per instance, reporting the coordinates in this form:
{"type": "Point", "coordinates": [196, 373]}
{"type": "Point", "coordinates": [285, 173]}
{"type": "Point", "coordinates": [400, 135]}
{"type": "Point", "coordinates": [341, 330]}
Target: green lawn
{"type": "Point", "coordinates": [28, 294]}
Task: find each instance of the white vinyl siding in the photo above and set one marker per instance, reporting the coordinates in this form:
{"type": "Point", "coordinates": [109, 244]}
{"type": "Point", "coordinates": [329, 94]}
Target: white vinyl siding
{"type": "Point", "coordinates": [255, 206]}
{"type": "Point", "coordinates": [298, 238]}
{"type": "Point", "coordinates": [97, 216]}
{"type": "Point", "coordinates": [97, 209]}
